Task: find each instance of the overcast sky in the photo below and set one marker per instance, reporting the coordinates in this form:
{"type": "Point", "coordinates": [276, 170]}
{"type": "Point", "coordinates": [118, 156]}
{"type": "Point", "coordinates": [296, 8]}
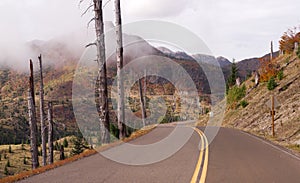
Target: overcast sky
{"type": "Point", "coordinates": [231, 28]}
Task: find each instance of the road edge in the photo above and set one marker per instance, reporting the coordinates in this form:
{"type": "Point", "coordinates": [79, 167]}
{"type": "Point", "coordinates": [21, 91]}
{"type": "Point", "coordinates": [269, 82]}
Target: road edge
{"type": "Point", "coordinates": [88, 153]}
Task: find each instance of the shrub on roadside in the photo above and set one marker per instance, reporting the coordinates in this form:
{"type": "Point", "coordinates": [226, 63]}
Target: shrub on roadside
{"type": "Point", "coordinates": [280, 75]}
{"type": "Point", "coordinates": [272, 84]}
{"type": "Point", "coordinates": [235, 94]}
{"type": "Point", "coordinates": [298, 52]}
{"type": "Point", "coordinates": [244, 103]}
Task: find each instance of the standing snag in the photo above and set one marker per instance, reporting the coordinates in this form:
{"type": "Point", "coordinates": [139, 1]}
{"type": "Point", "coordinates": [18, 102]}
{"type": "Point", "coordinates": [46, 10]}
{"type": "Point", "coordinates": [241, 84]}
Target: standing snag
{"type": "Point", "coordinates": [50, 132]}
{"type": "Point", "coordinates": [119, 34]}
{"type": "Point", "coordinates": [32, 120]}
{"type": "Point", "coordinates": [101, 92]}
{"type": "Point", "coordinates": [142, 101]}
{"type": "Point", "coordinates": [42, 113]}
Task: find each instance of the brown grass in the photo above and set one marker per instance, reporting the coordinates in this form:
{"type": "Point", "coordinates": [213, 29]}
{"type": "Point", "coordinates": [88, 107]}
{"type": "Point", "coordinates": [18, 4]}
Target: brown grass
{"type": "Point", "coordinates": [87, 153]}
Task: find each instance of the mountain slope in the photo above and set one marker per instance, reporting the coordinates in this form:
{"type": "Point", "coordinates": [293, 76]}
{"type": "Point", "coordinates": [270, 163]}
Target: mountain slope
{"type": "Point", "coordinates": [256, 116]}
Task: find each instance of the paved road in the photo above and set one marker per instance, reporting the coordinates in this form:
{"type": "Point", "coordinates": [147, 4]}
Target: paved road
{"type": "Point", "coordinates": [233, 156]}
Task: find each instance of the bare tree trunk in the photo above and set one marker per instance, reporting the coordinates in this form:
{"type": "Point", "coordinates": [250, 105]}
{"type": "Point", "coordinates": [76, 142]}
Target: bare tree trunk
{"type": "Point", "coordinates": [272, 52]}
{"type": "Point", "coordinates": [142, 103]}
{"type": "Point", "coordinates": [50, 132]}
{"type": "Point", "coordinates": [145, 94]}
{"type": "Point", "coordinates": [42, 113]}
{"type": "Point", "coordinates": [119, 34]}
{"type": "Point", "coordinates": [101, 92]}
{"type": "Point", "coordinates": [32, 121]}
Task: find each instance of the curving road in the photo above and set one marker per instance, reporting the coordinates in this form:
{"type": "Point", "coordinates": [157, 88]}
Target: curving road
{"type": "Point", "coordinates": [233, 156]}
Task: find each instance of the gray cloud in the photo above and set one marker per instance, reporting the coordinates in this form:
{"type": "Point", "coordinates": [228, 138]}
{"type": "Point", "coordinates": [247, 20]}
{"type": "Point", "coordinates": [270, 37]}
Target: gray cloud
{"type": "Point", "coordinates": [231, 28]}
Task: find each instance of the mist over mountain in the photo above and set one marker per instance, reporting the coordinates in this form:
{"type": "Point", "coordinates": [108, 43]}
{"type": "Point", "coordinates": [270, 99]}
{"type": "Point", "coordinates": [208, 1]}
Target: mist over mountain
{"type": "Point", "coordinates": [61, 56]}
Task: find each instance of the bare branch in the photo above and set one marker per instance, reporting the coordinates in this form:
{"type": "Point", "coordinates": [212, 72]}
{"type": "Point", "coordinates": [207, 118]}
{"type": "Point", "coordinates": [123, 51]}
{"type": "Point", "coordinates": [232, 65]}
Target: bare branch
{"type": "Point", "coordinates": [88, 25]}
{"type": "Point", "coordinates": [87, 10]}
{"type": "Point", "coordinates": [106, 3]}
{"type": "Point", "coordinates": [91, 44]}
{"type": "Point", "coordinates": [81, 1]}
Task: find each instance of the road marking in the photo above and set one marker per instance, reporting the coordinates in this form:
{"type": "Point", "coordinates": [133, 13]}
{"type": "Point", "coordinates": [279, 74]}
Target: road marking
{"type": "Point", "coordinates": [198, 166]}
{"type": "Point", "coordinates": [204, 170]}
{"type": "Point", "coordinates": [205, 164]}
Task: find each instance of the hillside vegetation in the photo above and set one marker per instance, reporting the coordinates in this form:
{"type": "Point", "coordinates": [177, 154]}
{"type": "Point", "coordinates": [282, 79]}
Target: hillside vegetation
{"type": "Point", "coordinates": [256, 118]}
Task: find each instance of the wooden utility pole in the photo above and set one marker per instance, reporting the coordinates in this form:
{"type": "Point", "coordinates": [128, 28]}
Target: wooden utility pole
{"type": "Point", "coordinates": [273, 115]}
{"type": "Point", "coordinates": [32, 120]}
{"type": "Point", "coordinates": [101, 92]}
{"type": "Point", "coordinates": [42, 113]}
{"type": "Point", "coordinates": [143, 109]}
{"type": "Point", "coordinates": [50, 132]}
{"type": "Point", "coordinates": [119, 36]}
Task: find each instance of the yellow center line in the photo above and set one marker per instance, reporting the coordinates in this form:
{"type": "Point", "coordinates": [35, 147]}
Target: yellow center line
{"type": "Point", "coordinates": [204, 170]}
{"type": "Point", "coordinates": [198, 166]}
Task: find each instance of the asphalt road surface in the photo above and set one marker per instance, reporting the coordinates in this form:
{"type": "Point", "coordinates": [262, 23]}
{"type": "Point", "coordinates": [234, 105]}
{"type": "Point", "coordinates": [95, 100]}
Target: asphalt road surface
{"type": "Point", "coordinates": [233, 156]}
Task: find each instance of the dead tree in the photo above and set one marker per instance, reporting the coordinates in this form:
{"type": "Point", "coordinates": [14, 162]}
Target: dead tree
{"type": "Point", "coordinates": [32, 121]}
{"type": "Point", "coordinates": [121, 110]}
{"type": "Point", "coordinates": [142, 103]}
{"type": "Point", "coordinates": [272, 52]}
{"type": "Point", "coordinates": [50, 132]}
{"type": "Point", "coordinates": [101, 92]}
{"type": "Point", "coordinates": [42, 114]}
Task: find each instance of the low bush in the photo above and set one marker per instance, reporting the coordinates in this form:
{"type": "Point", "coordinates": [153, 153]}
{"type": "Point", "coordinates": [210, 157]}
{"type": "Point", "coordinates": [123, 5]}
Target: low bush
{"type": "Point", "coordinates": [244, 103]}
{"type": "Point", "coordinates": [235, 94]}
{"type": "Point", "coordinates": [272, 84]}
{"type": "Point", "coordinates": [280, 75]}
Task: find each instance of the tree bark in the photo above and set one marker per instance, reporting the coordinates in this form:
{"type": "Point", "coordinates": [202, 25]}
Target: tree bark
{"type": "Point", "coordinates": [101, 92]}
{"type": "Point", "coordinates": [119, 34]}
{"type": "Point", "coordinates": [272, 52]}
{"type": "Point", "coordinates": [32, 121]}
{"type": "Point", "coordinates": [142, 103]}
{"type": "Point", "coordinates": [50, 132]}
{"type": "Point", "coordinates": [42, 113]}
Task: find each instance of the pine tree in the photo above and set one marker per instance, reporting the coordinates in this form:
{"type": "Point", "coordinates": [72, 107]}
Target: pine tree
{"type": "Point", "coordinates": [56, 146]}
{"type": "Point", "coordinates": [8, 163]}
{"type": "Point", "coordinates": [6, 171]}
{"type": "Point", "coordinates": [24, 160]}
{"type": "Point", "coordinates": [65, 143]}
{"type": "Point", "coordinates": [62, 153]}
{"type": "Point", "coordinates": [234, 74]}
{"type": "Point", "coordinates": [9, 149]}
{"type": "Point", "coordinates": [78, 145]}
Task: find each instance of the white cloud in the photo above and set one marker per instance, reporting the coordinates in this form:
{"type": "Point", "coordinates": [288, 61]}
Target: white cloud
{"type": "Point", "coordinates": [232, 28]}
{"type": "Point", "coordinates": [156, 8]}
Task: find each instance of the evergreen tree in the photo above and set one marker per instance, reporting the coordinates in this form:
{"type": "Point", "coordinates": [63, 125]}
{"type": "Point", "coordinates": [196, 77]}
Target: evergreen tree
{"type": "Point", "coordinates": [6, 170]}
{"type": "Point", "coordinates": [234, 74]}
{"type": "Point", "coordinates": [272, 84]}
{"type": "Point", "coordinates": [65, 143]}
{"type": "Point", "coordinates": [24, 160]}
{"type": "Point", "coordinates": [56, 146]}
{"type": "Point", "coordinates": [78, 145]}
{"type": "Point", "coordinates": [8, 163]}
{"type": "Point", "coordinates": [62, 153]}
{"type": "Point", "coordinates": [9, 149]}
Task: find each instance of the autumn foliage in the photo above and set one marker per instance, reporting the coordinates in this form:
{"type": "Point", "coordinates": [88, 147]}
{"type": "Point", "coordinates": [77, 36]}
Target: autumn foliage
{"type": "Point", "coordinates": [288, 40]}
{"type": "Point", "coordinates": [267, 69]}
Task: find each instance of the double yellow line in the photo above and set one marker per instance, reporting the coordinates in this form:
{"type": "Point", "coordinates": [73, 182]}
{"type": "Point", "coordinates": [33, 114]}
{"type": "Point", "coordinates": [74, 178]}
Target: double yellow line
{"type": "Point", "coordinates": [204, 147]}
